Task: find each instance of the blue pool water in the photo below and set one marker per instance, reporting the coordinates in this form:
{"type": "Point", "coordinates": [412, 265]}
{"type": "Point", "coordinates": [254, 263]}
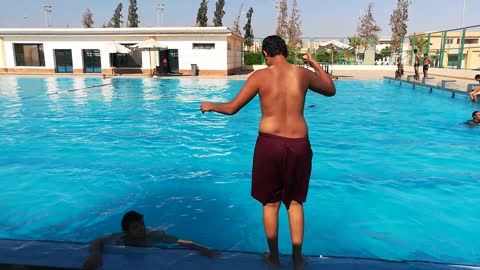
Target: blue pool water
{"type": "Point", "coordinates": [395, 174]}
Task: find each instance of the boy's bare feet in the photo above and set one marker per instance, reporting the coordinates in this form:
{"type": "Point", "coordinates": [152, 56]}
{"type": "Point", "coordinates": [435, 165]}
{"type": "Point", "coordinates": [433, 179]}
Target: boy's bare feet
{"type": "Point", "coordinates": [299, 262]}
{"type": "Point", "coordinates": [271, 260]}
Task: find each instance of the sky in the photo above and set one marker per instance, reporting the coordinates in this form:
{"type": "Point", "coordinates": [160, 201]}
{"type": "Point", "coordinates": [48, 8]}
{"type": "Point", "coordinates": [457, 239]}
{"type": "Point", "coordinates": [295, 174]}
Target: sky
{"type": "Point", "coordinates": [320, 18]}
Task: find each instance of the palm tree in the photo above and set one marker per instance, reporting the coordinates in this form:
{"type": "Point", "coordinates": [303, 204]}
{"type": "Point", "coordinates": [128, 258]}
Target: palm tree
{"type": "Point", "coordinates": [355, 42]}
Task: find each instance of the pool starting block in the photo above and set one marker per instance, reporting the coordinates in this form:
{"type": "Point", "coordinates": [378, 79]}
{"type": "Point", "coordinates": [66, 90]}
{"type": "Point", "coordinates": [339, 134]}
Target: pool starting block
{"type": "Point", "coordinates": [445, 82]}
{"type": "Point", "coordinates": [427, 79]}
{"type": "Point", "coordinates": [409, 77]}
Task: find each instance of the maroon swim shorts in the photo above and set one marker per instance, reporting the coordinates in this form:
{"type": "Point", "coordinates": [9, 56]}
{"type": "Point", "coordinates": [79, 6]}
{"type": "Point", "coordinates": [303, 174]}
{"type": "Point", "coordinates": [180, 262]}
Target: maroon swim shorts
{"type": "Point", "coordinates": [281, 169]}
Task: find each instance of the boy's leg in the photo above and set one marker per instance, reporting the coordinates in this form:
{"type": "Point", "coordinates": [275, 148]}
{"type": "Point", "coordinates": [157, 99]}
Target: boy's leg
{"type": "Point", "coordinates": [296, 222]}
{"type": "Point", "coordinates": [270, 223]}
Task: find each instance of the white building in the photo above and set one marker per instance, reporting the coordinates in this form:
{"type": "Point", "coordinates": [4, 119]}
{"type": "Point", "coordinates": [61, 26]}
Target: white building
{"type": "Point", "coordinates": [215, 50]}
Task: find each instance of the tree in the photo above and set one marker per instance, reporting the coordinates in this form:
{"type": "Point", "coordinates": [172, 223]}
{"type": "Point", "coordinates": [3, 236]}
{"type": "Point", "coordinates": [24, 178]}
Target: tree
{"type": "Point", "coordinates": [116, 20]}
{"type": "Point", "coordinates": [248, 29]}
{"type": "Point", "coordinates": [282, 25]}
{"type": "Point", "coordinates": [386, 52]}
{"type": "Point", "coordinates": [355, 41]}
{"type": "Point", "coordinates": [398, 23]}
{"type": "Point", "coordinates": [217, 20]}
{"type": "Point", "coordinates": [133, 20]}
{"type": "Point", "coordinates": [420, 42]}
{"type": "Point", "coordinates": [87, 19]}
{"type": "Point", "coordinates": [236, 22]}
{"type": "Point", "coordinates": [202, 19]}
{"type": "Point", "coordinates": [367, 27]}
{"type": "Point", "coordinates": [293, 30]}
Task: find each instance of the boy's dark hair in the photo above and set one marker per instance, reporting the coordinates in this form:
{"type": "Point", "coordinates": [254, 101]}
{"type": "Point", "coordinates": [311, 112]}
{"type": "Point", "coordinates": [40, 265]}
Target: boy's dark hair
{"type": "Point", "coordinates": [477, 77]}
{"type": "Point", "coordinates": [130, 217]}
{"type": "Point", "coordinates": [473, 114]}
{"type": "Point", "coordinates": [415, 51]}
{"type": "Point", "coordinates": [274, 45]}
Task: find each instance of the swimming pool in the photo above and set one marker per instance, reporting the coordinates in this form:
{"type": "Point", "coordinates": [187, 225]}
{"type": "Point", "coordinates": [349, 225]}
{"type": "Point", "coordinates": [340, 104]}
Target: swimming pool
{"type": "Point", "coordinates": [394, 176]}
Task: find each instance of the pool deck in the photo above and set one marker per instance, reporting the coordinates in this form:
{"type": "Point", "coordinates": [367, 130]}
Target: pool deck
{"type": "Point", "coordinates": [60, 255]}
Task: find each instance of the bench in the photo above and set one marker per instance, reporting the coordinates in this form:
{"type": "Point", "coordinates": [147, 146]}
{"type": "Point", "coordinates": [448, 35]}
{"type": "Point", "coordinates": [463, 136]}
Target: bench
{"type": "Point", "coordinates": [444, 82]}
{"type": "Point", "coordinates": [425, 79]}
{"type": "Point", "coordinates": [472, 86]}
{"type": "Point", "coordinates": [409, 77]}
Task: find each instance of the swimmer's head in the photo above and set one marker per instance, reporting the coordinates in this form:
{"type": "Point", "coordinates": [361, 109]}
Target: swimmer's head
{"type": "Point", "coordinates": [477, 77]}
{"type": "Point", "coordinates": [476, 115]}
{"type": "Point", "coordinates": [133, 225]}
{"type": "Point", "coordinates": [274, 45]}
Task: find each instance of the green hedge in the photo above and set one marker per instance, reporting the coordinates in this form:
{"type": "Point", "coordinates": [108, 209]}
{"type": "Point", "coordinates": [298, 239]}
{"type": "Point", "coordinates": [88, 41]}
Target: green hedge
{"type": "Point", "coordinates": [252, 58]}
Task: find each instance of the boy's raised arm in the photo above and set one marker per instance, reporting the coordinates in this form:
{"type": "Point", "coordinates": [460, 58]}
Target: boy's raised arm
{"type": "Point", "coordinates": [94, 261]}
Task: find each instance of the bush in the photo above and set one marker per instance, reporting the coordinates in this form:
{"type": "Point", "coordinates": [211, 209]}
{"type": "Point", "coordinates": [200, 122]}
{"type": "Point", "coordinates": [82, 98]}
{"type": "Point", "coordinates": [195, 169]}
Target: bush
{"type": "Point", "coordinates": [252, 58]}
{"type": "Point", "coordinates": [323, 56]}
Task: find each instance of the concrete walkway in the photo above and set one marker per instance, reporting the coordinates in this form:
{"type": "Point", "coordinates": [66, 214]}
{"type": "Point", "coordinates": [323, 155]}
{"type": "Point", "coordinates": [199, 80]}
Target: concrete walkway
{"type": "Point", "coordinates": [72, 256]}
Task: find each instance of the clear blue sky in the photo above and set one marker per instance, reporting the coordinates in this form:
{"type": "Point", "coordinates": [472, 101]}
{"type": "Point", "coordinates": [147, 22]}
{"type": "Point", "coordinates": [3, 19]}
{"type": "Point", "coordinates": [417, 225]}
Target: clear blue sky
{"type": "Point", "coordinates": [320, 18]}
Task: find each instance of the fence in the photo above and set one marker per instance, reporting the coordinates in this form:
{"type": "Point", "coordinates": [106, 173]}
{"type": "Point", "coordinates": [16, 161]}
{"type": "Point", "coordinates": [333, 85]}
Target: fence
{"type": "Point", "coordinates": [455, 48]}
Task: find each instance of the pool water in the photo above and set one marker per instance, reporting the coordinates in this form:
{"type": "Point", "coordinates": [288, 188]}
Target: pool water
{"type": "Point", "coordinates": [395, 173]}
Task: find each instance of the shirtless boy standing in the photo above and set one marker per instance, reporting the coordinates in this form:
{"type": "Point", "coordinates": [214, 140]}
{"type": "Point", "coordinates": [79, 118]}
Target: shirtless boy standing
{"type": "Point", "coordinates": [416, 64]}
{"type": "Point", "coordinates": [283, 156]}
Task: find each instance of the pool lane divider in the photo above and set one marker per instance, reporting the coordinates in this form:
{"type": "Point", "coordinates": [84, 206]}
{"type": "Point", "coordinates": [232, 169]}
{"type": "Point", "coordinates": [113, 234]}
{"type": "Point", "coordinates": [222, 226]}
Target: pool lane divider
{"type": "Point", "coordinates": [73, 90]}
{"type": "Point", "coordinates": [428, 86]}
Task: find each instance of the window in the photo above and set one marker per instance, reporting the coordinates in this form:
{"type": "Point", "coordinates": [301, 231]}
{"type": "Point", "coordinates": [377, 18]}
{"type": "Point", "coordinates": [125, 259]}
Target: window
{"type": "Point", "coordinates": [63, 61]}
{"type": "Point", "coordinates": [471, 41]}
{"type": "Point", "coordinates": [130, 60]}
{"type": "Point", "coordinates": [449, 40]}
{"type": "Point", "coordinates": [203, 46]}
{"type": "Point", "coordinates": [92, 61]}
{"type": "Point", "coordinates": [29, 55]}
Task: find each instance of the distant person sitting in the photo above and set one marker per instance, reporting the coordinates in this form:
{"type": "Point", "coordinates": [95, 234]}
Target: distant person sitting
{"type": "Point", "coordinates": [399, 71]}
{"type": "Point", "coordinates": [476, 92]}
{"type": "Point", "coordinates": [475, 120]}
{"type": "Point", "coordinates": [136, 234]}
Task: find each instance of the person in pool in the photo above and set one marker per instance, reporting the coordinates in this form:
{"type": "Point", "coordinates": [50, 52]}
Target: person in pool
{"type": "Point", "coordinates": [136, 234]}
{"type": "Point", "coordinates": [475, 121]}
{"type": "Point", "coordinates": [282, 160]}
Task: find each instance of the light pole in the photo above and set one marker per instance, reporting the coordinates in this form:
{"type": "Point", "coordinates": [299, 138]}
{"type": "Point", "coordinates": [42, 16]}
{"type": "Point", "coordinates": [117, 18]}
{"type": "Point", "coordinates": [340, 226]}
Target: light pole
{"type": "Point", "coordinates": [47, 9]}
{"type": "Point", "coordinates": [160, 8]}
{"type": "Point", "coordinates": [463, 12]}
{"type": "Point", "coordinates": [278, 6]}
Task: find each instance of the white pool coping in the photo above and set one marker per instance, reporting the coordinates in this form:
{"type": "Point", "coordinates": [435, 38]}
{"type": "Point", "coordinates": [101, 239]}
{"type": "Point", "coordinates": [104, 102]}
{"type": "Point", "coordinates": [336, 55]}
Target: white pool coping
{"type": "Point", "coordinates": [72, 255]}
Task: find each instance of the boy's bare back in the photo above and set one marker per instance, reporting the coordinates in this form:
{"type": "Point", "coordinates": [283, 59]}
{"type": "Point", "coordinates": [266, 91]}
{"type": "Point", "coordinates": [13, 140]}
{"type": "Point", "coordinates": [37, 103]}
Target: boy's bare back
{"type": "Point", "coordinates": [282, 88]}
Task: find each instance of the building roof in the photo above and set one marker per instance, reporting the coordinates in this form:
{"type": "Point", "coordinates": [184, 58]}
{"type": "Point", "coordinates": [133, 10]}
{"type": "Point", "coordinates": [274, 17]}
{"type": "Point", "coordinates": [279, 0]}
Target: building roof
{"type": "Point", "coordinates": [145, 31]}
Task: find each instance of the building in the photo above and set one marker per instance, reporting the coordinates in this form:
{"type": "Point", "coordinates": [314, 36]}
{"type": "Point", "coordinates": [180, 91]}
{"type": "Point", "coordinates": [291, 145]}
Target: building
{"type": "Point", "coordinates": [446, 49]}
{"type": "Point", "coordinates": [215, 50]}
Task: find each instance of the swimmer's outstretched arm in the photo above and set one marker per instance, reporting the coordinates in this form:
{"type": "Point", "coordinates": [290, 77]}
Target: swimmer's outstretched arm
{"type": "Point", "coordinates": [161, 236]}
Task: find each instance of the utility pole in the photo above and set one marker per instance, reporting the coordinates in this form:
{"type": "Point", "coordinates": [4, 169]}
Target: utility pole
{"type": "Point", "coordinates": [160, 7]}
{"type": "Point", "coordinates": [47, 9]}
